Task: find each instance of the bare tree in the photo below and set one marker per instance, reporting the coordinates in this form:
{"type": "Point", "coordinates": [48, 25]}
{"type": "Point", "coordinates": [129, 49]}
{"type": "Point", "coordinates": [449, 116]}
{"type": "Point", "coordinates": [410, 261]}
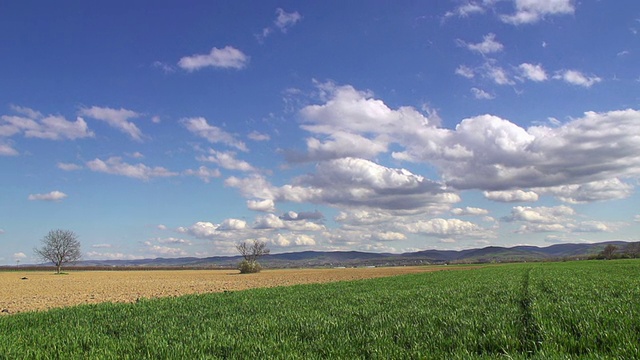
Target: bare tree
{"type": "Point", "coordinates": [633, 250]}
{"type": "Point", "coordinates": [608, 251]}
{"type": "Point", "coordinates": [251, 252]}
{"type": "Point", "coordinates": [59, 247]}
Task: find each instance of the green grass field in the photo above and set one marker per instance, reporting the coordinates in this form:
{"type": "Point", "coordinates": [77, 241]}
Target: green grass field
{"type": "Point", "coordinates": [588, 309]}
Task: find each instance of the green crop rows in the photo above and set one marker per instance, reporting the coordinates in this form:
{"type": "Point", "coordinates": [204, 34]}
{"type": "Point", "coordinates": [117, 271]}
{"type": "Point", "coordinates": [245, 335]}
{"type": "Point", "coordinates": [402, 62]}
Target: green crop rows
{"type": "Point", "coordinates": [587, 309]}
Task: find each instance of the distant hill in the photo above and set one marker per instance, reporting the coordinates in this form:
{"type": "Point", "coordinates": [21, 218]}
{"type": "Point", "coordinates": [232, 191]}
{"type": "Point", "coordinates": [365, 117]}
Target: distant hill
{"type": "Point", "coordinates": [357, 258]}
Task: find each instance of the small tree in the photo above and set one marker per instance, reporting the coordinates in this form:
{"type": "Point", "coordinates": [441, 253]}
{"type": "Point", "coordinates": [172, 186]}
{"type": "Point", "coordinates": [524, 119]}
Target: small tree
{"type": "Point", "coordinates": [251, 252]}
{"type": "Point", "coordinates": [608, 251]}
{"type": "Point", "coordinates": [59, 247]}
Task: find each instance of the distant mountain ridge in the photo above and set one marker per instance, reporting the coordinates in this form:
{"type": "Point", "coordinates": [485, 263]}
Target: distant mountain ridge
{"type": "Point", "coordinates": [358, 258]}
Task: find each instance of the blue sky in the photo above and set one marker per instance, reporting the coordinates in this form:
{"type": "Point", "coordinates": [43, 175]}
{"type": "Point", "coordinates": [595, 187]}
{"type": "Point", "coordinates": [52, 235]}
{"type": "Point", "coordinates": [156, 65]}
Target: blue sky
{"type": "Point", "coordinates": [157, 129]}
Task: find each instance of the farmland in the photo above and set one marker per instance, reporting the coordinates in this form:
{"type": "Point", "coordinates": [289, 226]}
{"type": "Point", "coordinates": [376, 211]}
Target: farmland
{"type": "Point", "coordinates": [583, 309]}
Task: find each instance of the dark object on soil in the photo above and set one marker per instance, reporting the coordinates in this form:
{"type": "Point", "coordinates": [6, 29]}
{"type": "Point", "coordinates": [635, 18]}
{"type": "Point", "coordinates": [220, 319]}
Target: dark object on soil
{"type": "Point", "coordinates": [24, 278]}
{"type": "Point", "coordinates": [5, 311]}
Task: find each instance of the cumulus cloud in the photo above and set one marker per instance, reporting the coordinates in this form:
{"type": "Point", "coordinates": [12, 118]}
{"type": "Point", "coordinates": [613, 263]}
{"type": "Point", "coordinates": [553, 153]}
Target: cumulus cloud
{"type": "Point", "coordinates": [442, 227]}
{"type": "Point", "coordinates": [487, 46]}
{"type": "Point", "coordinates": [575, 77]}
{"type": "Point", "coordinates": [232, 224]}
{"type": "Point", "coordinates": [50, 196]}
{"type": "Point", "coordinates": [33, 124]}
{"type": "Point", "coordinates": [290, 239]}
{"type": "Point", "coordinates": [227, 57]}
{"type": "Point", "coordinates": [303, 215]}
{"type": "Point", "coordinates": [473, 211]}
{"type": "Point", "coordinates": [226, 160]}
{"type": "Point", "coordinates": [199, 127]}
{"type": "Point", "coordinates": [204, 173]}
{"type": "Point", "coordinates": [200, 230]}
{"type": "Point", "coordinates": [115, 166]}
{"type": "Point", "coordinates": [483, 152]}
{"type": "Point", "coordinates": [358, 182]}
{"type": "Point", "coordinates": [266, 205]}
{"type": "Point", "coordinates": [533, 72]}
{"type": "Point", "coordinates": [542, 214]}
{"type": "Point", "coordinates": [116, 118]}
{"type": "Point", "coordinates": [532, 11]}
{"type": "Point", "coordinates": [592, 191]}
{"type": "Point", "coordinates": [512, 196]}
{"type": "Point", "coordinates": [19, 256]}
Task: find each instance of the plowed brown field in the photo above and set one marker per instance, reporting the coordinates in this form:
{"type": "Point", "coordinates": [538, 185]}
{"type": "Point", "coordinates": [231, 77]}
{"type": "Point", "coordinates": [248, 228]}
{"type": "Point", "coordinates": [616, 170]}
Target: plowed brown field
{"type": "Point", "coordinates": [45, 290]}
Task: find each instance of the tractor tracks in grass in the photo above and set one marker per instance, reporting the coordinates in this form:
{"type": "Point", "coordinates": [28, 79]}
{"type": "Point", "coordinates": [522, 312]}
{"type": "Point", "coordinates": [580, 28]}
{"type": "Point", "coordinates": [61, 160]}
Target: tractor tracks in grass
{"type": "Point", "coordinates": [530, 335]}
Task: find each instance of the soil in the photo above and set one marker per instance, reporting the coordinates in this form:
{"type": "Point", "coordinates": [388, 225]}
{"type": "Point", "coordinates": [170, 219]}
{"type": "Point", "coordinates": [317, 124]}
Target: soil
{"type": "Point", "coordinates": [35, 290]}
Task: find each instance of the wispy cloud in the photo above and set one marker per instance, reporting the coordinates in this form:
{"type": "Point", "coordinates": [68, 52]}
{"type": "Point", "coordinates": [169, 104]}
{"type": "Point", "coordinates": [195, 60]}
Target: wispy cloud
{"type": "Point", "coordinates": [50, 196]}
{"type": "Point", "coordinates": [116, 118]}
{"type": "Point", "coordinates": [115, 166]}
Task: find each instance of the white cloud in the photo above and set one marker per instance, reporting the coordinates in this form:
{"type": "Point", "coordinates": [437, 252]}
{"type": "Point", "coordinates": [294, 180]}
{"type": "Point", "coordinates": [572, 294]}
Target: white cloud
{"type": "Point", "coordinates": [339, 145]}
{"type": "Point", "coordinates": [204, 173]}
{"type": "Point", "coordinates": [115, 166]}
{"type": "Point", "coordinates": [465, 10]}
{"type": "Point", "coordinates": [592, 227]}
{"type": "Point", "coordinates": [51, 196]}
{"type": "Point", "coordinates": [286, 20]}
{"type": "Point", "coordinates": [443, 227]}
{"type": "Point", "coordinates": [592, 191]}
{"type": "Point", "coordinates": [359, 182]}
{"type": "Point", "coordinates": [511, 196]}
{"type": "Point", "coordinates": [481, 94]}
{"type": "Point", "coordinates": [266, 205]}
{"type": "Point", "coordinates": [116, 118]}
{"type": "Point", "coordinates": [201, 230]}
{"type": "Point", "coordinates": [68, 166]}
{"type": "Point", "coordinates": [575, 77]}
{"type": "Point", "coordinates": [283, 22]}
{"type": "Point", "coordinates": [286, 240]}
{"type": "Point", "coordinates": [487, 46]}
{"type": "Point", "coordinates": [34, 125]}
{"type": "Point", "coordinates": [227, 57]}
{"type": "Point", "coordinates": [388, 236]}
{"type": "Point", "coordinates": [226, 160]}
{"type": "Point", "coordinates": [159, 250]}
{"type": "Point", "coordinates": [532, 11]}
{"type": "Point", "coordinates": [19, 256]}
{"type": "Point", "coordinates": [111, 256]}
{"type": "Point", "coordinates": [101, 246]}
{"type": "Point", "coordinates": [496, 74]}
{"type": "Point", "coordinates": [636, 218]}
{"type": "Point", "coordinates": [257, 136]}
{"type": "Point", "coordinates": [474, 211]}
{"type": "Point", "coordinates": [213, 134]}
{"type": "Point", "coordinates": [465, 71]}
{"type": "Point", "coordinates": [540, 215]}
{"type": "Point", "coordinates": [232, 224]}
{"type": "Point", "coordinates": [533, 72]}
{"type": "Point", "coordinates": [7, 150]}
